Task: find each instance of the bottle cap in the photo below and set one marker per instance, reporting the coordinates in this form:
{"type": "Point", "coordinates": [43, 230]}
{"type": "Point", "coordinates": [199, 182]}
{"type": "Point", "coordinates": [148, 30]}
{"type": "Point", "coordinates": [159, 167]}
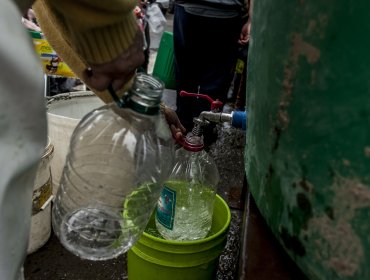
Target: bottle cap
{"type": "Point", "coordinates": [145, 94]}
{"type": "Point", "coordinates": [191, 142]}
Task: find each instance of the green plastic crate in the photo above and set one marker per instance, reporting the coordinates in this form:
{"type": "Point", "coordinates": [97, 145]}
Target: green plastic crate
{"type": "Point", "coordinates": [164, 64]}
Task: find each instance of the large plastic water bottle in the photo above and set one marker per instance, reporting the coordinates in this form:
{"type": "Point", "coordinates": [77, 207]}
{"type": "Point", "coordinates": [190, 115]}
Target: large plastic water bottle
{"type": "Point", "coordinates": [185, 208]}
{"type": "Point", "coordinates": [114, 173]}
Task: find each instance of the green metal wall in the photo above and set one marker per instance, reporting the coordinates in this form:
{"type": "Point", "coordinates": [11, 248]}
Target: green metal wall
{"type": "Point", "coordinates": [308, 140]}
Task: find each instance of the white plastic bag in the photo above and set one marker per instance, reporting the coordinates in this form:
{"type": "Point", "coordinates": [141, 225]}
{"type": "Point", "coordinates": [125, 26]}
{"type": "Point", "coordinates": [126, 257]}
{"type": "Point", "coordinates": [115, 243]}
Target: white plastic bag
{"type": "Point", "coordinates": [155, 18]}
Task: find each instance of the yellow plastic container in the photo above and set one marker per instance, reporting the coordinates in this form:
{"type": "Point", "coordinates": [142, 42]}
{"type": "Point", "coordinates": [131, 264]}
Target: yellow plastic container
{"type": "Point", "coordinates": [52, 64]}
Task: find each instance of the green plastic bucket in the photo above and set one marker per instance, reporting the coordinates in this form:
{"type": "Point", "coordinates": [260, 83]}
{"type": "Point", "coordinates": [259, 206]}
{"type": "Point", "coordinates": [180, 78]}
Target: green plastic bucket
{"type": "Point", "coordinates": [155, 258]}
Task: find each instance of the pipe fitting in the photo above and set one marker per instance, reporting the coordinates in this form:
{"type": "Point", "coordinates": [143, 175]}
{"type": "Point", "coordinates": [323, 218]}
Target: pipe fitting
{"type": "Point", "coordinates": [216, 117]}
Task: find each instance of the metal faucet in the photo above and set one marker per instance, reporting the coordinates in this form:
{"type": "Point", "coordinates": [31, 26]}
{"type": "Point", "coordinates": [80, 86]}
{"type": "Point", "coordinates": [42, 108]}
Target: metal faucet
{"type": "Point", "coordinates": [236, 118]}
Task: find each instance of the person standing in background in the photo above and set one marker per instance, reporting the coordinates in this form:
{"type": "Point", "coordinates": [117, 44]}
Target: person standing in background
{"type": "Point", "coordinates": [139, 12]}
{"type": "Point", "coordinates": [206, 34]}
{"type": "Point", "coordinates": [237, 95]}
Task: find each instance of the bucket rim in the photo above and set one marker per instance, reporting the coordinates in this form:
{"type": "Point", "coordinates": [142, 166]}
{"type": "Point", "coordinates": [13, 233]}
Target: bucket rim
{"type": "Point", "coordinates": [49, 149]}
{"type": "Point", "coordinates": [68, 96]}
{"type": "Point", "coordinates": [200, 259]}
{"type": "Point", "coordinates": [60, 99]}
{"type": "Point", "coordinates": [199, 241]}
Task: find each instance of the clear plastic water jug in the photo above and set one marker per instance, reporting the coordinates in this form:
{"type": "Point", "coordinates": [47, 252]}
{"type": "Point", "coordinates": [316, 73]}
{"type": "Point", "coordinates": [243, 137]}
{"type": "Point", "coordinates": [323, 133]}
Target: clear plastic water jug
{"type": "Point", "coordinates": [118, 159]}
{"type": "Point", "coordinates": [185, 208]}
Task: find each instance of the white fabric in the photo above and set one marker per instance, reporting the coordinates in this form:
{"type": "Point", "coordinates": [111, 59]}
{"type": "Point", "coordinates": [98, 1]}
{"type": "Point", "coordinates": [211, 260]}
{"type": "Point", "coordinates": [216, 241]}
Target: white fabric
{"type": "Point", "coordinates": [23, 137]}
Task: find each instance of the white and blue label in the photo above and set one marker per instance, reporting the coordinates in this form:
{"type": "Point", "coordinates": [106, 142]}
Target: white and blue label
{"type": "Point", "coordinates": [166, 208]}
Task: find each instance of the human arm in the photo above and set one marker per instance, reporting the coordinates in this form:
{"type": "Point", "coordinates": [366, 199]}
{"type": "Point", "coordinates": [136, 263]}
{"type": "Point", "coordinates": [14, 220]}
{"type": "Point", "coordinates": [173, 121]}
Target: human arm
{"type": "Point", "coordinates": [91, 34]}
{"type": "Point", "coordinates": [30, 25]}
{"type": "Point", "coordinates": [177, 129]}
{"type": "Point", "coordinates": [117, 72]}
{"type": "Point", "coordinates": [246, 29]}
{"type": "Point", "coordinates": [245, 34]}
{"type": "Point", "coordinates": [108, 65]}
{"type": "Point", "coordinates": [29, 21]}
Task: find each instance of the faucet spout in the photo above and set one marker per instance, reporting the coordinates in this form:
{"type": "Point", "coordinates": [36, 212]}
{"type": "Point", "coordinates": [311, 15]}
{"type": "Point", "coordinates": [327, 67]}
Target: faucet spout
{"type": "Point", "coordinates": [237, 119]}
{"type": "Point", "coordinates": [218, 117]}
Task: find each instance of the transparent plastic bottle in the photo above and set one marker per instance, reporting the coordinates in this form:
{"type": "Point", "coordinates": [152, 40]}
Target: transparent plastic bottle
{"type": "Point", "coordinates": [185, 208]}
{"type": "Point", "coordinates": [114, 172]}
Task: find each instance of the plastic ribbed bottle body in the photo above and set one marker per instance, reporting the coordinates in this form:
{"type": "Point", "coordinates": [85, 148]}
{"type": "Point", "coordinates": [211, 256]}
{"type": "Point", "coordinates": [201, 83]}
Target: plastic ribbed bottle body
{"type": "Point", "coordinates": [185, 208]}
{"type": "Point", "coordinates": [115, 168]}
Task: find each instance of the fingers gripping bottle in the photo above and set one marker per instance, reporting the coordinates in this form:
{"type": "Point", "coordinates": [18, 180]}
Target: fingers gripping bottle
{"type": "Point", "coordinates": [185, 208]}
{"type": "Point", "coordinates": [118, 160]}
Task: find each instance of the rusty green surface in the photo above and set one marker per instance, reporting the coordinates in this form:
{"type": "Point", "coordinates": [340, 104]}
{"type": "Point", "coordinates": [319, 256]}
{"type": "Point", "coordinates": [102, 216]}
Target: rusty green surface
{"type": "Point", "coordinates": [308, 140]}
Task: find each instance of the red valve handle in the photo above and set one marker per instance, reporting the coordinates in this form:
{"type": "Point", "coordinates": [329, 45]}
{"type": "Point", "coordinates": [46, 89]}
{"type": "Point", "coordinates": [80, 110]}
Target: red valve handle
{"type": "Point", "coordinates": [215, 104]}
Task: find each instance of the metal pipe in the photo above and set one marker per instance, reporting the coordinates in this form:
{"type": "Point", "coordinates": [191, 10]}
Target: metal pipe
{"type": "Point", "coordinates": [216, 117]}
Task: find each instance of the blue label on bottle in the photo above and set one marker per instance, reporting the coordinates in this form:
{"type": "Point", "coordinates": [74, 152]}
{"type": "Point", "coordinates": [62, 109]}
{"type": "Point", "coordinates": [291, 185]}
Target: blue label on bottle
{"type": "Point", "coordinates": [166, 207]}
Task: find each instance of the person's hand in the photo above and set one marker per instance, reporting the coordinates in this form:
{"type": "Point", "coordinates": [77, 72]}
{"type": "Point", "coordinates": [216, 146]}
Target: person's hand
{"type": "Point", "coordinates": [30, 25]}
{"type": "Point", "coordinates": [118, 71]}
{"type": "Point", "coordinates": [30, 15]}
{"type": "Point", "coordinates": [29, 21]}
{"type": "Point", "coordinates": [174, 123]}
{"type": "Point", "coordinates": [245, 33]}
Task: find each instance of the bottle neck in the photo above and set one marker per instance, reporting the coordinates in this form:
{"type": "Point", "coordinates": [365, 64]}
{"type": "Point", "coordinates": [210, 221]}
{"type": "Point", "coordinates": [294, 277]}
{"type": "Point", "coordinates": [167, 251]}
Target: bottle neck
{"type": "Point", "coordinates": [192, 143]}
{"type": "Point", "coordinates": [145, 94]}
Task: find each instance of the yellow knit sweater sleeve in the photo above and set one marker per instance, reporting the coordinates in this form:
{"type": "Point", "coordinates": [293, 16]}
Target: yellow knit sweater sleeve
{"type": "Point", "coordinates": [86, 32]}
{"type": "Point", "coordinates": [99, 30]}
